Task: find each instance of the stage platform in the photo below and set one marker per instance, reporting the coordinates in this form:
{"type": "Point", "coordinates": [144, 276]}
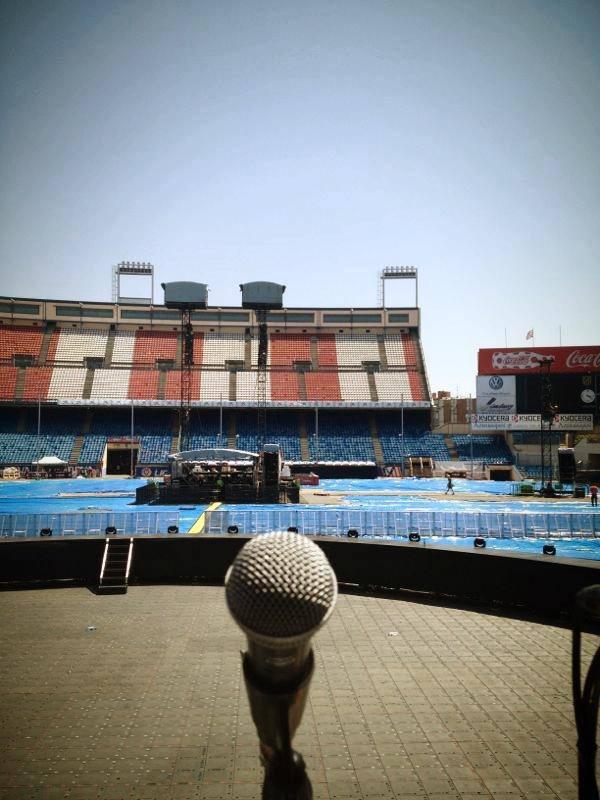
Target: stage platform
{"type": "Point", "coordinates": [141, 696]}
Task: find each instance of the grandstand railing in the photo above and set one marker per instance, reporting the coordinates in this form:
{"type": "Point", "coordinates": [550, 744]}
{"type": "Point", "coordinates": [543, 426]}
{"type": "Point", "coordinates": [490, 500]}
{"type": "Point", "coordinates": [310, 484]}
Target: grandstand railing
{"type": "Point", "coordinates": [393, 524]}
{"type": "Point", "coordinates": [68, 401]}
{"type": "Point", "coordinates": [89, 523]}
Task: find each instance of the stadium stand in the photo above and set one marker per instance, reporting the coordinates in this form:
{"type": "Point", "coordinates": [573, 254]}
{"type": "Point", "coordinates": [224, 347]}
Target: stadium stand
{"type": "Point", "coordinates": [214, 385]}
{"type": "Point", "coordinates": [110, 384]}
{"type": "Point", "coordinates": [394, 350]}
{"type": "Point", "coordinates": [8, 382]}
{"type": "Point", "coordinates": [143, 384]}
{"type": "Point", "coordinates": [394, 387]}
{"type": "Point", "coordinates": [285, 349]}
{"type": "Point", "coordinates": [354, 386]}
{"type": "Point", "coordinates": [417, 441]}
{"type": "Point", "coordinates": [488, 449]}
{"type": "Point", "coordinates": [221, 347]}
{"type": "Point", "coordinates": [36, 383]}
{"type": "Point", "coordinates": [20, 339]}
{"type": "Point", "coordinates": [75, 344]}
{"type": "Point", "coordinates": [342, 437]}
{"type": "Point", "coordinates": [152, 346]}
{"type": "Point", "coordinates": [318, 365]}
{"type": "Point", "coordinates": [353, 349]}
{"type": "Point", "coordinates": [284, 386]}
{"type": "Point", "coordinates": [67, 382]}
{"type": "Point", "coordinates": [323, 386]}
{"type": "Point", "coordinates": [123, 347]}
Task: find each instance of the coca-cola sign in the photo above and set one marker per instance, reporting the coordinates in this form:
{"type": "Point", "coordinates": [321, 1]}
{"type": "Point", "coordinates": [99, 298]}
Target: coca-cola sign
{"type": "Point", "coordinates": [580, 358]}
{"type": "Point", "coordinates": [516, 361]}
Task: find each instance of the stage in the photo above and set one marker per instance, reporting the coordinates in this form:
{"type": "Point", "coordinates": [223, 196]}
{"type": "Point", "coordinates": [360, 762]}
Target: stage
{"type": "Point", "coordinates": [141, 696]}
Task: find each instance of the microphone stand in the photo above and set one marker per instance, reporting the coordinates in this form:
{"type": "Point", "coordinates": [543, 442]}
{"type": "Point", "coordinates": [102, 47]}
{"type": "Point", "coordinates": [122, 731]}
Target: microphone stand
{"type": "Point", "coordinates": [276, 713]}
{"type": "Point", "coordinates": [587, 604]}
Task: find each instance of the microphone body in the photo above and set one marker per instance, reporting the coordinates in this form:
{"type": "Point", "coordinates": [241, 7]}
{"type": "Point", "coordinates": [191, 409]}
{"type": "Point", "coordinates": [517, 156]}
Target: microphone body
{"type": "Point", "coordinates": [280, 589]}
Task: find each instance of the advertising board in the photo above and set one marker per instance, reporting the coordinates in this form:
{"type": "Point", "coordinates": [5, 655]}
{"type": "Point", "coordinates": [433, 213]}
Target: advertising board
{"type": "Point", "coordinates": [521, 360]}
{"type": "Point", "coordinates": [530, 422]}
{"type": "Point", "coordinates": [496, 394]}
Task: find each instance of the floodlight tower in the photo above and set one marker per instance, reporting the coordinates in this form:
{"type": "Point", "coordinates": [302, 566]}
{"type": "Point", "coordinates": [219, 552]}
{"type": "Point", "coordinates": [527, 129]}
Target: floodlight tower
{"type": "Point", "coordinates": [397, 273]}
{"type": "Point", "coordinates": [185, 296]}
{"type": "Point", "coordinates": [261, 297]}
{"type": "Point", "coordinates": [548, 412]}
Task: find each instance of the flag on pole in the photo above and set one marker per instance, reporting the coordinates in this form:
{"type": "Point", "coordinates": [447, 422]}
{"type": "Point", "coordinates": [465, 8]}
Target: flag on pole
{"type": "Point", "coordinates": [529, 334]}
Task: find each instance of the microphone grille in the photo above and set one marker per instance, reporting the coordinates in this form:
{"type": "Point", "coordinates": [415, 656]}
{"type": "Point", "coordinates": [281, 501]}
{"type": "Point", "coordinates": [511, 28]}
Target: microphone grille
{"type": "Point", "coordinates": [280, 585]}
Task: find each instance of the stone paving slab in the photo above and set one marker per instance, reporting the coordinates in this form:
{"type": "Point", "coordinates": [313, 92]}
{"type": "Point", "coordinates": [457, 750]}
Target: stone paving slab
{"type": "Point", "coordinates": [408, 701]}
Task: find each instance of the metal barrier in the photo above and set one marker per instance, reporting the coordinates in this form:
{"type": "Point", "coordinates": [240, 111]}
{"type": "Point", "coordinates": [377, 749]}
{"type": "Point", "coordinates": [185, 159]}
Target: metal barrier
{"type": "Point", "coordinates": [392, 524]}
{"type": "Point", "coordinates": [89, 523]}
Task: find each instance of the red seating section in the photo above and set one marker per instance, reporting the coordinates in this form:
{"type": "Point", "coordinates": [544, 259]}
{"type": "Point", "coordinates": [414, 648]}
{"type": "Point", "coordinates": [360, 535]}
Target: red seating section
{"type": "Point", "coordinates": [21, 339]}
{"type": "Point", "coordinates": [322, 386]}
{"type": "Point", "coordinates": [198, 346]}
{"type": "Point", "coordinates": [143, 384]}
{"type": "Point", "coordinates": [287, 348]}
{"type": "Point", "coordinates": [173, 385]}
{"type": "Point", "coordinates": [37, 381]}
{"type": "Point", "coordinates": [327, 351]}
{"type": "Point", "coordinates": [410, 351]}
{"type": "Point", "coordinates": [284, 386]}
{"type": "Point", "coordinates": [8, 381]}
{"type": "Point", "coordinates": [150, 345]}
{"type": "Point", "coordinates": [417, 388]}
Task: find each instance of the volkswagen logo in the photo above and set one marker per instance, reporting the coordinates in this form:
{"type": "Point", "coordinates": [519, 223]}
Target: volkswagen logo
{"type": "Point", "coordinates": [496, 383]}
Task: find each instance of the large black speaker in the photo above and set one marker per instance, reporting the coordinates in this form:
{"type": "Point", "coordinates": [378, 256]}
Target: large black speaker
{"type": "Point", "coordinates": [566, 465]}
{"type": "Point", "coordinates": [271, 467]}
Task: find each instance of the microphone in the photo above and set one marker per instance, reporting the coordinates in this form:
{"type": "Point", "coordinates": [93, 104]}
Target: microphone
{"type": "Point", "coordinates": [280, 590]}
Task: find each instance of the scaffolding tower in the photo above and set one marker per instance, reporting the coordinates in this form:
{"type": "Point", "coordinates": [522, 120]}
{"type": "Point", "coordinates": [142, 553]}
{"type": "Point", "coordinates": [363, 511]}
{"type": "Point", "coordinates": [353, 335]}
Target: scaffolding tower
{"type": "Point", "coordinates": [548, 412]}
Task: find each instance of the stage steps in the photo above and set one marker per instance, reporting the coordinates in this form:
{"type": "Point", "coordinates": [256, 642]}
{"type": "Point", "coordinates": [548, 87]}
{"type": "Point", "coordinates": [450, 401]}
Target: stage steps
{"type": "Point", "coordinates": [87, 385]}
{"type": "Point", "coordinates": [114, 571]}
{"type": "Point", "coordinates": [175, 433]}
{"type": "Point", "coordinates": [162, 384]}
{"type": "Point", "coordinates": [304, 450]}
{"type": "Point", "coordinates": [231, 430]}
{"type": "Point", "coordinates": [382, 353]}
{"type": "Point", "coordinates": [110, 347]}
{"type": "Point", "coordinates": [80, 439]}
{"type": "Point", "coordinates": [314, 352]}
{"type": "Point", "coordinates": [20, 383]}
{"type": "Point", "coordinates": [451, 447]}
{"type": "Point", "coordinates": [50, 328]}
{"type": "Point", "coordinates": [301, 385]}
{"type": "Point", "coordinates": [248, 352]}
{"type": "Point", "coordinates": [372, 387]}
{"type": "Point", "coordinates": [76, 451]}
{"type": "Point", "coordinates": [377, 448]}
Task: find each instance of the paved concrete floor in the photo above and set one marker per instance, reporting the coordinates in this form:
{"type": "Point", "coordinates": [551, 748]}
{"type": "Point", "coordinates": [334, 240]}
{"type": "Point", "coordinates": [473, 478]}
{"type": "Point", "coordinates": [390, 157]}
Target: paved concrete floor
{"type": "Point", "coordinates": [408, 701]}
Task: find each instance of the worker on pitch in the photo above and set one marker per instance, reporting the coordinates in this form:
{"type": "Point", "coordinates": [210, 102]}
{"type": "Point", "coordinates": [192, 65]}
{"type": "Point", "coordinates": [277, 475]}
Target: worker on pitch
{"type": "Point", "coordinates": [449, 485]}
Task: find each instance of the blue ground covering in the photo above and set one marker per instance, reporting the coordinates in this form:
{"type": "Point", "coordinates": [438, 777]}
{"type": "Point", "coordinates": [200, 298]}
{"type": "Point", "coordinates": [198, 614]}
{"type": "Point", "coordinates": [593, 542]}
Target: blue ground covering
{"type": "Point", "coordinates": [42, 497]}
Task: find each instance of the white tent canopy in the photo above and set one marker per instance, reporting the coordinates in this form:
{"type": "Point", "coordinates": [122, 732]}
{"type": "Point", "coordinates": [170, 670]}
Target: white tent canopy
{"type": "Point", "coordinates": [50, 461]}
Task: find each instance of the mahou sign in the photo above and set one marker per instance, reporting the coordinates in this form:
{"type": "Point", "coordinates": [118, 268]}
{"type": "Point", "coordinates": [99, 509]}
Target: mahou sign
{"type": "Point", "coordinates": [519, 361]}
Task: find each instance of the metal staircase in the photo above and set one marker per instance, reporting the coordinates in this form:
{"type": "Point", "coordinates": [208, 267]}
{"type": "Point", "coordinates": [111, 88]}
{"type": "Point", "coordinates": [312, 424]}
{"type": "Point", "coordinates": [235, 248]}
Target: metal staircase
{"type": "Point", "coordinates": [116, 562]}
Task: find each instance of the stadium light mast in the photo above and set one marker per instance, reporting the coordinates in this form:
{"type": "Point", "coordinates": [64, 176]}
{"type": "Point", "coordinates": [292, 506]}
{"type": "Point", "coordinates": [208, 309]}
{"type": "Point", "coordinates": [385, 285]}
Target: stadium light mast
{"type": "Point", "coordinates": [138, 269]}
{"type": "Point", "coordinates": [185, 296]}
{"type": "Point", "coordinates": [262, 297]}
{"type": "Point", "coordinates": [397, 273]}
{"type": "Point", "coordinates": [548, 411]}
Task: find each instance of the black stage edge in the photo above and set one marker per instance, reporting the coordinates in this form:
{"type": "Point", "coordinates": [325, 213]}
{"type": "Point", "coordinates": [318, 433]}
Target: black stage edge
{"type": "Point", "coordinates": [337, 470]}
{"type": "Point", "coordinates": [539, 584]}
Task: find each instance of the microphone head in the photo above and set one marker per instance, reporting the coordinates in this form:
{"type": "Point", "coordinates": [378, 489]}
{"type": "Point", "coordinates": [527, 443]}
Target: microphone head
{"type": "Point", "coordinates": [280, 587]}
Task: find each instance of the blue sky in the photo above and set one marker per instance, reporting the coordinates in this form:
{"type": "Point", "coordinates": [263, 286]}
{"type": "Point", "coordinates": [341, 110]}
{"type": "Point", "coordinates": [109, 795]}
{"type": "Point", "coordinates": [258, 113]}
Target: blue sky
{"type": "Point", "coordinates": [313, 143]}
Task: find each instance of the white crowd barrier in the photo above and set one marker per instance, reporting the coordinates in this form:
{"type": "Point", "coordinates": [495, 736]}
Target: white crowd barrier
{"type": "Point", "coordinates": [392, 524]}
{"type": "Point", "coordinates": [89, 523]}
